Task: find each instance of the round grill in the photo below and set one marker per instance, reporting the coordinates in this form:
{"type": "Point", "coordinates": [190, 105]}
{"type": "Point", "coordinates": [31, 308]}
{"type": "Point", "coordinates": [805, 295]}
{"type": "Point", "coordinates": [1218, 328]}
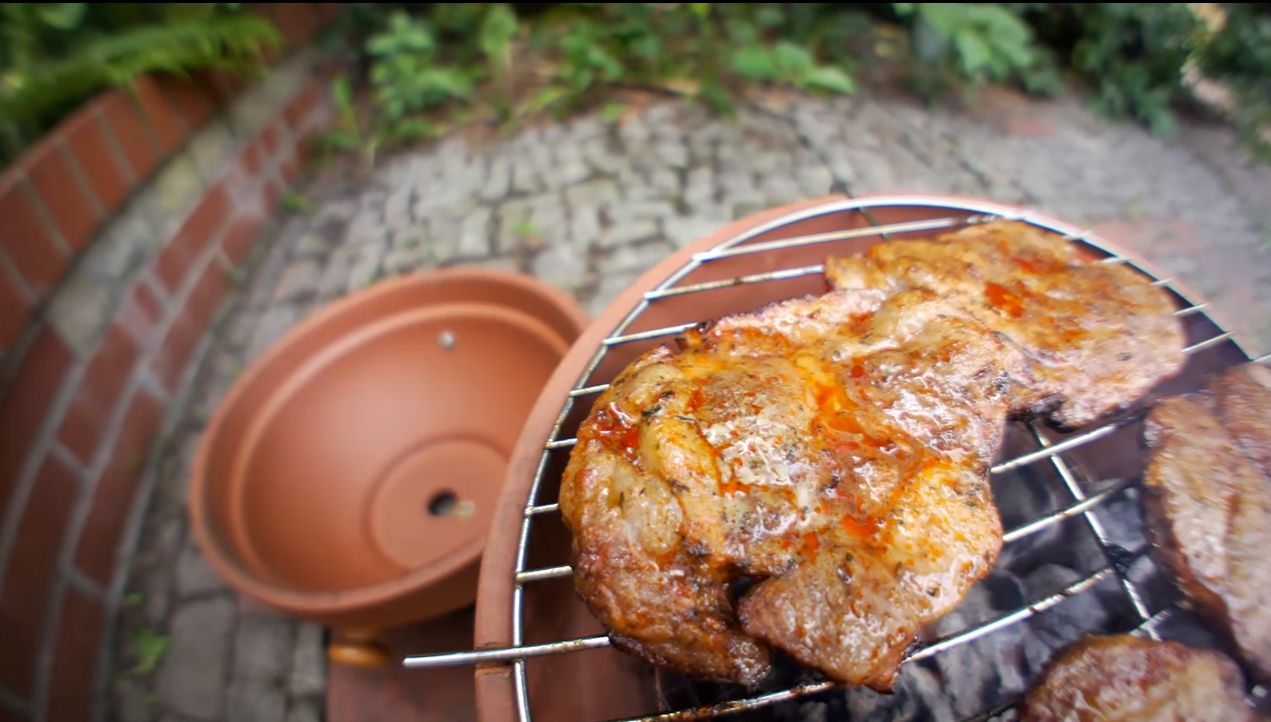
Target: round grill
{"type": "Point", "coordinates": [541, 654]}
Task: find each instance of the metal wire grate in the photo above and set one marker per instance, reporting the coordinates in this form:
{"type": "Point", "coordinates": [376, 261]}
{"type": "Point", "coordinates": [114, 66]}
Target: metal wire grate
{"type": "Point", "coordinates": [1080, 505]}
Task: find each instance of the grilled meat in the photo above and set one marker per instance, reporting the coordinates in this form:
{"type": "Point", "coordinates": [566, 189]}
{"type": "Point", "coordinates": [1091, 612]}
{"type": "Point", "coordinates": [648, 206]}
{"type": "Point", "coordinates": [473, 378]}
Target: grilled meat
{"type": "Point", "coordinates": [1097, 335]}
{"type": "Point", "coordinates": [1244, 404]}
{"type": "Point", "coordinates": [1125, 678]}
{"type": "Point", "coordinates": [1209, 507]}
{"type": "Point", "coordinates": [832, 453]}
{"type": "Point", "coordinates": [833, 449]}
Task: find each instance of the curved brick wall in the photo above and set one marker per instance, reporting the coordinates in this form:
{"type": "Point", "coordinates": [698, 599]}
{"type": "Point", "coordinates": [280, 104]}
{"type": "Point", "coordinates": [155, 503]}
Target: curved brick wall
{"type": "Point", "coordinates": [121, 233]}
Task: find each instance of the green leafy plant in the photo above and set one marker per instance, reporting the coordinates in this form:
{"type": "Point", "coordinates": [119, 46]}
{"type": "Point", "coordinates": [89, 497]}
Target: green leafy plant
{"type": "Point", "coordinates": [297, 203]}
{"type": "Point", "coordinates": [977, 42]}
{"type": "Point", "coordinates": [347, 134]}
{"type": "Point", "coordinates": [786, 62]}
{"type": "Point", "coordinates": [151, 649]}
{"type": "Point", "coordinates": [437, 65]}
{"type": "Point", "coordinates": [408, 77]}
{"type": "Point", "coordinates": [1240, 54]}
{"type": "Point", "coordinates": [494, 38]}
{"type": "Point", "coordinates": [1135, 54]}
{"type": "Point", "coordinates": [707, 50]}
{"type": "Point", "coordinates": [56, 55]}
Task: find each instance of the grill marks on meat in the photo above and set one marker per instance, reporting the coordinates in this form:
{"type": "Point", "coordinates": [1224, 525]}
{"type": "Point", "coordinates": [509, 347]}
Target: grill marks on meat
{"type": "Point", "coordinates": [834, 451]}
{"type": "Point", "coordinates": [1209, 504]}
{"type": "Point", "coordinates": [1097, 336]}
{"type": "Point", "coordinates": [1136, 680]}
{"type": "Point", "coordinates": [834, 448]}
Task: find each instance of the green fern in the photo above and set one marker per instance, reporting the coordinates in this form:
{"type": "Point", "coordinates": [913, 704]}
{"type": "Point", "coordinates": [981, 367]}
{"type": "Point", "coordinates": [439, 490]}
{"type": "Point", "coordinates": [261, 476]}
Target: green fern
{"type": "Point", "coordinates": [232, 42]}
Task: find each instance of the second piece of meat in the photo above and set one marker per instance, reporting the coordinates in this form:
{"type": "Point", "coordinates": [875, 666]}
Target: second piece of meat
{"type": "Point", "coordinates": [1209, 506]}
{"type": "Point", "coordinates": [1128, 679]}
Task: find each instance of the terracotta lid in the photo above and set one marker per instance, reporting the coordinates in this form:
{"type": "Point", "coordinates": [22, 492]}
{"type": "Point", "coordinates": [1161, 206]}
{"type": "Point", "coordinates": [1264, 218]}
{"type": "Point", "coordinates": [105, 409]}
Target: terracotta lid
{"type": "Point", "coordinates": [351, 473]}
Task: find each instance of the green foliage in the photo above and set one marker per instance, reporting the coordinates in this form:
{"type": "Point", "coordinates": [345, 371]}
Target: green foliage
{"type": "Point", "coordinates": [151, 649]}
{"type": "Point", "coordinates": [1240, 54]}
{"type": "Point", "coordinates": [498, 28]}
{"type": "Point", "coordinates": [427, 68]}
{"type": "Point", "coordinates": [1135, 55]}
{"type": "Point", "coordinates": [708, 50]}
{"type": "Point", "coordinates": [789, 63]}
{"type": "Point", "coordinates": [53, 56]}
{"type": "Point", "coordinates": [297, 203]}
{"type": "Point", "coordinates": [436, 63]}
{"type": "Point", "coordinates": [409, 76]}
{"type": "Point", "coordinates": [977, 42]}
{"type": "Point", "coordinates": [347, 134]}
{"type": "Point", "coordinates": [405, 73]}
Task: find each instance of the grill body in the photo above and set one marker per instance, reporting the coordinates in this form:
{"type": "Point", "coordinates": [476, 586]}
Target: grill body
{"type": "Point", "coordinates": [526, 604]}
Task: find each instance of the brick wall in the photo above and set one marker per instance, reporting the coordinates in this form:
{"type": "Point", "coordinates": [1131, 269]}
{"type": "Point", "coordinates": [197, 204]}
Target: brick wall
{"type": "Point", "coordinates": [120, 235]}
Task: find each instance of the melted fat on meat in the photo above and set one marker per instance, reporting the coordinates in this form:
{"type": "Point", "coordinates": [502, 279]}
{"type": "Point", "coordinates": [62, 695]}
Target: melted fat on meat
{"type": "Point", "coordinates": [1097, 336]}
{"type": "Point", "coordinates": [834, 448]}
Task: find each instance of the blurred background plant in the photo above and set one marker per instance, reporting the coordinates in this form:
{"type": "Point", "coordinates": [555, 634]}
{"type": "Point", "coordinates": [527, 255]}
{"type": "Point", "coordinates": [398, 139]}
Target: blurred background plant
{"type": "Point", "coordinates": [432, 67]}
{"type": "Point", "coordinates": [54, 55]}
{"type": "Point", "coordinates": [422, 69]}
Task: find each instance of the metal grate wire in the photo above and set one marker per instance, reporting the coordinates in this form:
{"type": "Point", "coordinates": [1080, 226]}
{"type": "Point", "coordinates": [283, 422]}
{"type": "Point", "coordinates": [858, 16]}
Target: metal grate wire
{"type": "Point", "coordinates": [1081, 504]}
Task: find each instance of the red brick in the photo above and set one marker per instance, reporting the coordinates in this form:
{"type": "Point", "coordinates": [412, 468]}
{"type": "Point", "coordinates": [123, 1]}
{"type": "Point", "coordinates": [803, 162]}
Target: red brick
{"type": "Point", "coordinates": [85, 139]}
{"type": "Point", "coordinates": [116, 489]}
{"type": "Point", "coordinates": [207, 295]}
{"type": "Point", "coordinates": [298, 108]}
{"type": "Point", "coordinates": [306, 19]}
{"type": "Point", "coordinates": [194, 102]}
{"type": "Point", "coordinates": [252, 158]}
{"type": "Point", "coordinates": [270, 55]}
{"type": "Point", "coordinates": [272, 190]}
{"type": "Point", "coordinates": [289, 166]}
{"type": "Point", "coordinates": [240, 237]}
{"type": "Point", "coordinates": [174, 352]}
{"type": "Point", "coordinates": [24, 407]}
{"type": "Point", "coordinates": [291, 21]}
{"type": "Point", "coordinates": [194, 236]}
{"type": "Point", "coordinates": [304, 147]}
{"type": "Point", "coordinates": [29, 575]}
{"type": "Point", "coordinates": [70, 208]}
{"type": "Point", "coordinates": [140, 312]}
{"type": "Point", "coordinates": [27, 239]}
{"type": "Point", "coordinates": [125, 122]}
{"type": "Point", "coordinates": [222, 84]}
{"type": "Point", "coordinates": [168, 125]}
{"type": "Point", "coordinates": [14, 309]}
{"type": "Point", "coordinates": [99, 390]}
{"type": "Point", "coordinates": [79, 636]}
{"type": "Point", "coordinates": [271, 137]}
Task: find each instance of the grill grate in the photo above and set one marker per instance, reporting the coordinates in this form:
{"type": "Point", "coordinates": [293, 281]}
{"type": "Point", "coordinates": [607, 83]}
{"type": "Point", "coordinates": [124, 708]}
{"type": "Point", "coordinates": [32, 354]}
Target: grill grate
{"type": "Point", "coordinates": [1117, 560]}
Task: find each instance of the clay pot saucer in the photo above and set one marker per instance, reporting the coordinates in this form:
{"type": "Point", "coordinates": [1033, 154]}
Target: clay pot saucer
{"type": "Point", "coordinates": [351, 473]}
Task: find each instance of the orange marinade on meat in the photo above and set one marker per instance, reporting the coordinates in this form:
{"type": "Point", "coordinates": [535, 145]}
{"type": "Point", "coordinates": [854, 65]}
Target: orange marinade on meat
{"type": "Point", "coordinates": [1097, 335]}
{"type": "Point", "coordinates": [833, 451]}
{"type": "Point", "coordinates": [833, 448]}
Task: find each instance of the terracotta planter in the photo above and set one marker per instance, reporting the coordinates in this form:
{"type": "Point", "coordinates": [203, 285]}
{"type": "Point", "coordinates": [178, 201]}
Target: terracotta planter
{"type": "Point", "coordinates": [351, 473]}
{"type": "Point", "coordinates": [604, 683]}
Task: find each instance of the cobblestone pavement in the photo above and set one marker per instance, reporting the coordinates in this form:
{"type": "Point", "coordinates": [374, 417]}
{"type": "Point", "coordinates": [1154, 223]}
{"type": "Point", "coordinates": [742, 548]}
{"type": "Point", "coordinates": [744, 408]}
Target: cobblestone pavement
{"type": "Point", "coordinates": [587, 206]}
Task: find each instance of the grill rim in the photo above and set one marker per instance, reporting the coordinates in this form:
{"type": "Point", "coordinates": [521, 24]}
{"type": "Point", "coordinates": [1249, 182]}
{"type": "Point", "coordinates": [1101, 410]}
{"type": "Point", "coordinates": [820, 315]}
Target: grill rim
{"type": "Point", "coordinates": [501, 687]}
